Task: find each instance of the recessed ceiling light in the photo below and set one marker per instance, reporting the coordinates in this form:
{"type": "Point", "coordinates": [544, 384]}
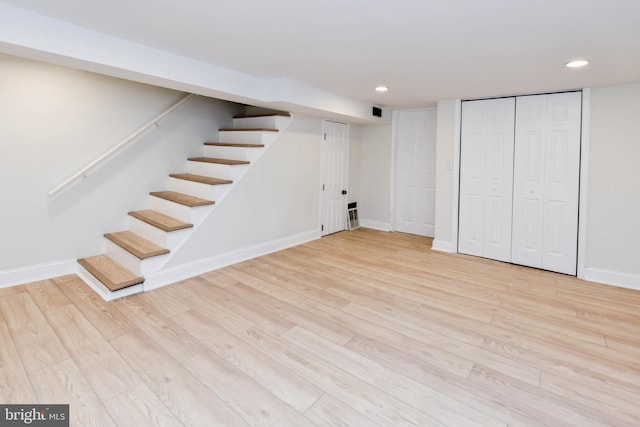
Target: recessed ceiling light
{"type": "Point", "coordinates": [577, 64]}
{"type": "Point", "coordinates": [382, 89]}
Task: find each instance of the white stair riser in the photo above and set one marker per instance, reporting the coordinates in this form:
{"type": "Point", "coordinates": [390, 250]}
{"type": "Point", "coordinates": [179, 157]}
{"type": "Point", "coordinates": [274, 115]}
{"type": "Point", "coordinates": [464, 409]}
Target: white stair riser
{"type": "Point", "coordinates": [236, 153]}
{"type": "Point", "coordinates": [248, 137]}
{"type": "Point", "coordinates": [217, 170]}
{"type": "Point", "coordinates": [198, 189]}
{"type": "Point", "coordinates": [138, 266]}
{"type": "Point", "coordinates": [270, 122]}
{"type": "Point", "coordinates": [159, 237]}
{"type": "Point", "coordinates": [178, 211]}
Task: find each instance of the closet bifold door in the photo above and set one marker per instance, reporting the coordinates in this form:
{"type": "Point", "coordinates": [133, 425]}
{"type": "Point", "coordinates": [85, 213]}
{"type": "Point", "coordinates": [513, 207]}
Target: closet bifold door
{"type": "Point", "coordinates": [546, 181]}
{"type": "Point", "coordinates": [486, 178]}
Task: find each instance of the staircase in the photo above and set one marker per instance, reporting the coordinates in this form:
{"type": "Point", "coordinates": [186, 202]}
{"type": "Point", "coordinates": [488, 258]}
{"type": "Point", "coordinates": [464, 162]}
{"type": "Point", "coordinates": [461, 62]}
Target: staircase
{"type": "Point", "coordinates": [175, 213]}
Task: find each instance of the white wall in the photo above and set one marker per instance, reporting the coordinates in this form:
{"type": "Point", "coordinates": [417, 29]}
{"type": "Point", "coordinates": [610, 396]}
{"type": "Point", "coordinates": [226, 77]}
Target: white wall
{"type": "Point", "coordinates": [375, 176]}
{"type": "Point", "coordinates": [613, 212]}
{"type": "Point", "coordinates": [278, 198]}
{"type": "Point", "coordinates": [355, 167]}
{"type": "Point", "coordinates": [445, 228]}
{"type": "Point", "coordinates": [53, 121]}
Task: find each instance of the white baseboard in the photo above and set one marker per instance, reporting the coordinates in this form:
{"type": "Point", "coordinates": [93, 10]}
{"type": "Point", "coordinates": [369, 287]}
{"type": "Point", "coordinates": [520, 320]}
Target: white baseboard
{"type": "Point", "coordinates": [376, 225]}
{"type": "Point", "coordinates": [35, 273]}
{"type": "Point", "coordinates": [191, 269]}
{"type": "Point", "coordinates": [614, 278]}
{"type": "Point", "coordinates": [442, 246]}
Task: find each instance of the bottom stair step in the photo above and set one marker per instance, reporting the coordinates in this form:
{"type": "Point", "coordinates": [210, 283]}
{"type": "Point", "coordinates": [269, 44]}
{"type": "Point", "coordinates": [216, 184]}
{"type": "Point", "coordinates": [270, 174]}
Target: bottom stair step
{"type": "Point", "coordinates": [113, 275]}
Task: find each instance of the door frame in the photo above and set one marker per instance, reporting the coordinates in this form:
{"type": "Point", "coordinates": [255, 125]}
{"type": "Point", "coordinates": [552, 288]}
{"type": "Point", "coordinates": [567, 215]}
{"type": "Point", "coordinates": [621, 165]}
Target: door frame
{"type": "Point", "coordinates": [582, 194]}
{"type": "Point", "coordinates": [322, 161]}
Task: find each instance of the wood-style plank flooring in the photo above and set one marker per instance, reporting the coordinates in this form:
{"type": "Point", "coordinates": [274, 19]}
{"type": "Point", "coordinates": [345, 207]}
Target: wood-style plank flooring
{"type": "Point", "coordinates": [360, 328]}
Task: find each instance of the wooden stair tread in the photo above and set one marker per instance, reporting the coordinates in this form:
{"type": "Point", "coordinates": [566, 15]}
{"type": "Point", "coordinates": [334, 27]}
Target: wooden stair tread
{"type": "Point", "coordinates": [113, 275]}
{"type": "Point", "coordinates": [233, 144]}
{"type": "Point", "coordinates": [136, 245]}
{"type": "Point", "coordinates": [161, 221]}
{"type": "Point", "coordinates": [219, 161]}
{"type": "Point", "coordinates": [249, 116]}
{"type": "Point", "coordinates": [248, 130]}
{"type": "Point", "coordinates": [181, 198]}
{"type": "Point", "coordinates": [200, 178]}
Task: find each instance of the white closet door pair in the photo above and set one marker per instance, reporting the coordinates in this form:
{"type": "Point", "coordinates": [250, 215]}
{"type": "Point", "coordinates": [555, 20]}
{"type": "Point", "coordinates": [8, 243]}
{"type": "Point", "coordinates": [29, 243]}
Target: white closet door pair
{"type": "Point", "coordinates": [519, 180]}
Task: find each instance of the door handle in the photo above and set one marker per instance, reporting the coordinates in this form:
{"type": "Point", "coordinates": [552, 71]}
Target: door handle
{"type": "Point", "coordinates": [344, 192]}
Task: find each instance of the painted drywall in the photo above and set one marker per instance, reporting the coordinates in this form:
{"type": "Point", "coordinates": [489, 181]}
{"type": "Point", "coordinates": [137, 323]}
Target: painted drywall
{"type": "Point", "coordinates": [355, 168]}
{"type": "Point", "coordinates": [279, 197]}
{"type": "Point", "coordinates": [445, 143]}
{"type": "Point", "coordinates": [375, 176]}
{"type": "Point", "coordinates": [613, 201]}
{"type": "Point", "coordinates": [43, 38]}
{"type": "Point", "coordinates": [55, 120]}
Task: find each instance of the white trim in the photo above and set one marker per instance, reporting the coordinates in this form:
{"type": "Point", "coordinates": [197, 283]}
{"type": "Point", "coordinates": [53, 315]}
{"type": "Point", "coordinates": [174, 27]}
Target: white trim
{"type": "Point", "coordinates": [613, 278]}
{"type": "Point", "coordinates": [584, 183]}
{"type": "Point", "coordinates": [376, 225]}
{"type": "Point", "coordinates": [442, 246]}
{"type": "Point", "coordinates": [457, 120]}
{"type": "Point", "coordinates": [347, 175]}
{"type": "Point", "coordinates": [34, 273]}
{"type": "Point", "coordinates": [393, 170]}
{"type": "Point", "coordinates": [322, 161]}
{"type": "Point", "coordinates": [321, 177]}
{"type": "Point", "coordinates": [190, 269]}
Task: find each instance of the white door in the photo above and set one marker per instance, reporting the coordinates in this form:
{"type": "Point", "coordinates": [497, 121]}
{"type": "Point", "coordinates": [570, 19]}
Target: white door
{"type": "Point", "coordinates": [335, 156]}
{"type": "Point", "coordinates": [415, 171]}
{"type": "Point", "coordinates": [486, 178]}
{"type": "Point", "coordinates": [546, 181]}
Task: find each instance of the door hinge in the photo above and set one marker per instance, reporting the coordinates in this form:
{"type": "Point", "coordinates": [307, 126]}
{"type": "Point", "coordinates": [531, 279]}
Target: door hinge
{"type": "Point", "coordinates": [325, 136]}
{"type": "Point", "coordinates": [322, 187]}
{"type": "Point", "coordinates": [322, 227]}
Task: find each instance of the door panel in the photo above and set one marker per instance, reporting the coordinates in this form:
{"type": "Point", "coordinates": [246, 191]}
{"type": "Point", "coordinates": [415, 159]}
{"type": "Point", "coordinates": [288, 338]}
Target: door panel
{"type": "Point", "coordinates": [486, 178]}
{"type": "Point", "coordinates": [532, 220]}
{"type": "Point", "coordinates": [546, 181]}
{"type": "Point", "coordinates": [415, 171]}
{"type": "Point", "coordinates": [335, 152]}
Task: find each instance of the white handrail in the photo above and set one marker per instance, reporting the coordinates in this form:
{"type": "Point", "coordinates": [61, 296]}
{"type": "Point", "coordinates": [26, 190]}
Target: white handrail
{"type": "Point", "coordinates": [85, 171]}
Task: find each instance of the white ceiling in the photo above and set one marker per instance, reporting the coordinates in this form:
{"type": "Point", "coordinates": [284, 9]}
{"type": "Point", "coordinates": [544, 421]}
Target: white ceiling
{"type": "Point", "coordinates": [424, 50]}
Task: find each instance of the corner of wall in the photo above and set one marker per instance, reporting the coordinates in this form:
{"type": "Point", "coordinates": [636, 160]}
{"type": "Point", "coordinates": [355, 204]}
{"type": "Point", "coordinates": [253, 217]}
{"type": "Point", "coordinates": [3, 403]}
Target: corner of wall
{"type": "Point", "coordinates": [447, 157]}
{"type": "Point", "coordinates": [442, 246]}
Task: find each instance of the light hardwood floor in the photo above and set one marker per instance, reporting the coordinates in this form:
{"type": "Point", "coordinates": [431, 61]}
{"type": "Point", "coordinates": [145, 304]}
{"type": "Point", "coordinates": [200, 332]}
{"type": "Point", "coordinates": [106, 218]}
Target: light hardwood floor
{"type": "Point", "coordinates": [360, 328]}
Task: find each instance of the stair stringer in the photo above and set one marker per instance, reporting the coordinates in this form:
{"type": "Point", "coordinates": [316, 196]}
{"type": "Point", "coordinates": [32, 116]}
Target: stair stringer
{"type": "Point", "coordinates": [156, 277]}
